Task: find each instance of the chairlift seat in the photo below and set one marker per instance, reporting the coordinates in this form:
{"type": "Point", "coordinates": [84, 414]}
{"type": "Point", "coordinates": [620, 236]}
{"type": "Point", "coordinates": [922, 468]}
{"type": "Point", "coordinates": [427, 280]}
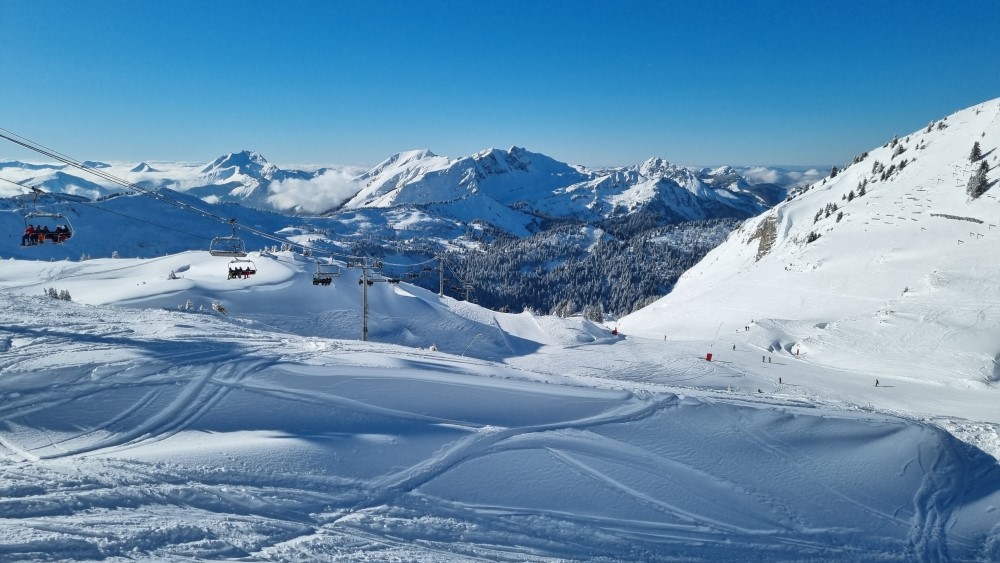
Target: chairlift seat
{"type": "Point", "coordinates": [325, 273]}
{"type": "Point", "coordinates": [231, 247]}
{"type": "Point", "coordinates": [57, 228]}
{"type": "Point", "coordinates": [241, 268]}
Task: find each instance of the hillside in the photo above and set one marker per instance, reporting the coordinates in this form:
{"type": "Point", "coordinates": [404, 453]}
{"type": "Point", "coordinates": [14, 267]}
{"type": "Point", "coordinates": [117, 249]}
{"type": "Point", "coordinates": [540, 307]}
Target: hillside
{"type": "Point", "coordinates": [886, 270]}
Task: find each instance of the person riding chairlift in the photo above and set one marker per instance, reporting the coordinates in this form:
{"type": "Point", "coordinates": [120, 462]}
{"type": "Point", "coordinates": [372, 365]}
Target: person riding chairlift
{"type": "Point", "coordinates": [29, 236]}
{"type": "Point", "coordinates": [61, 234]}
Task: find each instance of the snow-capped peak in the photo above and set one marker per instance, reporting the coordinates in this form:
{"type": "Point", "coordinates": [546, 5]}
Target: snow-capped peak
{"type": "Point", "coordinates": [656, 167]}
{"type": "Point", "coordinates": [250, 163]}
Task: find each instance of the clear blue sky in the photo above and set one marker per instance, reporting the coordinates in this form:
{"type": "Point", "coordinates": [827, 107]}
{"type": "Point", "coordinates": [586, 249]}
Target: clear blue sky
{"type": "Point", "coordinates": [595, 83]}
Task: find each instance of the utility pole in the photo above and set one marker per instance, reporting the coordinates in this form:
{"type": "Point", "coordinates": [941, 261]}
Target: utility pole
{"type": "Point", "coordinates": [364, 301]}
{"type": "Point", "coordinates": [365, 281]}
{"type": "Point", "coordinates": [440, 276]}
{"type": "Point", "coordinates": [465, 285]}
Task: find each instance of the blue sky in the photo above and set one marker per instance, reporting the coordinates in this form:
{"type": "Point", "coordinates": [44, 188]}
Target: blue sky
{"type": "Point", "coordinates": [594, 83]}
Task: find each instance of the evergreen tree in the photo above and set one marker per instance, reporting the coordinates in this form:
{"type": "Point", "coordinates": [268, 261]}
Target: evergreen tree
{"type": "Point", "coordinates": [978, 183]}
{"type": "Point", "coordinates": [594, 313]}
{"type": "Point", "coordinates": [833, 172]}
{"type": "Point", "coordinates": [977, 152]}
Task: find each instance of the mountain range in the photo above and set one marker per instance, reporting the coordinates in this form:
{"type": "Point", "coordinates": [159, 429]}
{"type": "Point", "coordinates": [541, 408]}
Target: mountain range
{"type": "Point", "coordinates": [514, 190]}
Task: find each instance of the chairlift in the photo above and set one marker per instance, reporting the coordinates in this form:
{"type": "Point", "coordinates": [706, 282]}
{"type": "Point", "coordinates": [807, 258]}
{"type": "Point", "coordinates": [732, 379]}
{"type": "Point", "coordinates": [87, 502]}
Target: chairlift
{"type": "Point", "coordinates": [231, 246]}
{"type": "Point", "coordinates": [325, 273]}
{"type": "Point", "coordinates": [39, 227]}
{"type": "Point", "coordinates": [241, 268]}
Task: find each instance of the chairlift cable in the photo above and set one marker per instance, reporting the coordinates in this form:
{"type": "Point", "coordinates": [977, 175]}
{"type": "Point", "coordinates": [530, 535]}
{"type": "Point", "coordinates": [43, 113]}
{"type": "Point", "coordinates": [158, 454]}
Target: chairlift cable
{"type": "Point", "coordinates": [99, 208]}
{"type": "Point", "coordinates": [36, 147]}
{"type": "Point", "coordinates": [52, 153]}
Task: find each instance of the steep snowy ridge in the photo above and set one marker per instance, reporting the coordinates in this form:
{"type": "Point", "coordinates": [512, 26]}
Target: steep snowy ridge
{"type": "Point", "coordinates": [673, 192]}
{"type": "Point", "coordinates": [886, 270]}
{"type": "Point", "coordinates": [407, 177]}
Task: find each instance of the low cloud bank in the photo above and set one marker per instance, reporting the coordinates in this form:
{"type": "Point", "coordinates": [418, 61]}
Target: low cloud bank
{"type": "Point", "coordinates": [782, 176]}
{"type": "Point", "coordinates": [315, 195]}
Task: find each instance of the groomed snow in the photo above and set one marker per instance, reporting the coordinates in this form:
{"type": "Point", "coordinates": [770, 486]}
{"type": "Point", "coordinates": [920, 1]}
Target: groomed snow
{"type": "Point", "coordinates": [138, 427]}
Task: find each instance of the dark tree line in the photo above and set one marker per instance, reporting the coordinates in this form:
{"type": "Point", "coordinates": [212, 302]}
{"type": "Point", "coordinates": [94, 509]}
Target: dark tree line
{"type": "Point", "coordinates": [615, 268]}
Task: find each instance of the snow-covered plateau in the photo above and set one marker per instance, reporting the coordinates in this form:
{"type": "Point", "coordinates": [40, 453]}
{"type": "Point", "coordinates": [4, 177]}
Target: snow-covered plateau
{"type": "Point", "coordinates": [160, 411]}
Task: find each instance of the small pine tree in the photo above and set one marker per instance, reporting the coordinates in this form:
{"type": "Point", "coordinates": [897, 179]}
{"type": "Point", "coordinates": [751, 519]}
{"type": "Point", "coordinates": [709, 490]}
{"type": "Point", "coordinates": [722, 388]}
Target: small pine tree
{"type": "Point", "coordinates": [977, 153]}
{"type": "Point", "coordinates": [840, 215]}
{"type": "Point", "coordinates": [833, 172]}
{"type": "Point", "coordinates": [594, 313]}
{"type": "Point", "coordinates": [64, 295]}
{"type": "Point", "coordinates": [978, 183]}
{"type": "Point", "coordinates": [850, 195]}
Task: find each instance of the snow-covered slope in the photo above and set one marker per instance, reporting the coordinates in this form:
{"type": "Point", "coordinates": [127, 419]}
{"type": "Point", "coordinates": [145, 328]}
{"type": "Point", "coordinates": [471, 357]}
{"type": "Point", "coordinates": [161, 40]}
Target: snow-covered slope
{"type": "Point", "coordinates": [896, 282]}
{"type": "Point", "coordinates": [140, 424]}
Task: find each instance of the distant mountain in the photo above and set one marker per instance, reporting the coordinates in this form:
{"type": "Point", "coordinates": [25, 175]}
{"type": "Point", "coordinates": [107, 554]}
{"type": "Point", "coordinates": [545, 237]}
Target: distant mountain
{"type": "Point", "coordinates": [143, 167]}
{"type": "Point", "coordinates": [541, 187]}
{"type": "Point", "coordinates": [891, 256]}
{"type": "Point", "coordinates": [514, 187]}
{"type": "Point", "coordinates": [241, 177]}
